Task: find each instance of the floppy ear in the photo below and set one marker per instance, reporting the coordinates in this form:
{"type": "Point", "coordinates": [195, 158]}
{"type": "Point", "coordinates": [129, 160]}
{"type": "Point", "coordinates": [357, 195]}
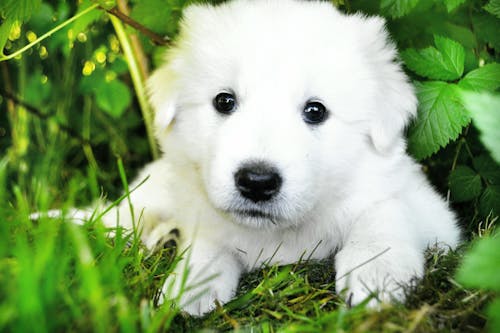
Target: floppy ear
{"type": "Point", "coordinates": [162, 96]}
{"type": "Point", "coordinates": [395, 100]}
{"type": "Point", "coordinates": [163, 83]}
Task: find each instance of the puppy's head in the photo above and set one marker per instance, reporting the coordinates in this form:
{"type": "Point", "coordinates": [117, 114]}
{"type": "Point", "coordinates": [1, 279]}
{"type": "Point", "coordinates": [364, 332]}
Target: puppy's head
{"type": "Point", "coordinates": [276, 101]}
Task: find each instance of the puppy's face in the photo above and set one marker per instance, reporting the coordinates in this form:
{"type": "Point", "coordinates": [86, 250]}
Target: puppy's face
{"type": "Point", "coordinates": [276, 114]}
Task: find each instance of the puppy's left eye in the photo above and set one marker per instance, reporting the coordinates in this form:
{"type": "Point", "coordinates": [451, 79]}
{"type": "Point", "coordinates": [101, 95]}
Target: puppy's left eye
{"type": "Point", "coordinates": [225, 103]}
{"type": "Point", "coordinates": [314, 113]}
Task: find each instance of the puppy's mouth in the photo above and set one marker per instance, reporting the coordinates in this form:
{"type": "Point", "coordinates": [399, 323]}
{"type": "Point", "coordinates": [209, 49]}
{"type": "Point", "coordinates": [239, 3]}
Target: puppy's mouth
{"type": "Point", "coordinates": [253, 213]}
{"type": "Point", "coordinates": [253, 217]}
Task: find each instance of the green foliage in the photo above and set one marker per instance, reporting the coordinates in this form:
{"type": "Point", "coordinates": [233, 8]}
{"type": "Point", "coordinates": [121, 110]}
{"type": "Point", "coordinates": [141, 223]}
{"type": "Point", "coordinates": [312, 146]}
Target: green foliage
{"type": "Point", "coordinates": [12, 12]}
{"type": "Point", "coordinates": [465, 184]}
{"type": "Point", "coordinates": [480, 269]}
{"type": "Point", "coordinates": [486, 79]}
{"type": "Point", "coordinates": [160, 16]}
{"type": "Point", "coordinates": [398, 8]}
{"type": "Point", "coordinates": [441, 118]}
{"type": "Point", "coordinates": [493, 7]}
{"type": "Point", "coordinates": [477, 269]}
{"type": "Point", "coordinates": [84, 22]}
{"type": "Point", "coordinates": [478, 183]}
{"type": "Point", "coordinates": [485, 110]}
{"type": "Point", "coordinates": [18, 9]}
{"type": "Point", "coordinates": [486, 27]}
{"type": "Point", "coordinates": [453, 4]}
{"type": "Point", "coordinates": [112, 96]}
{"type": "Point", "coordinates": [492, 311]}
{"type": "Point", "coordinates": [76, 109]}
{"type": "Point", "coordinates": [489, 200]}
{"type": "Point", "coordinates": [77, 275]}
{"type": "Point", "coordinates": [456, 50]}
{"type": "Point", "coordinates": [443, 62]}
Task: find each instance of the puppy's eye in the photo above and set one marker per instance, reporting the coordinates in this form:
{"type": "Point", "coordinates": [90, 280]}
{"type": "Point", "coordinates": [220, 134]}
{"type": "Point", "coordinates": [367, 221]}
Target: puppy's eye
{"type": "Point", "coordinates": [314, 113]}
{"type": "Point", "coordinates": [225, 103]}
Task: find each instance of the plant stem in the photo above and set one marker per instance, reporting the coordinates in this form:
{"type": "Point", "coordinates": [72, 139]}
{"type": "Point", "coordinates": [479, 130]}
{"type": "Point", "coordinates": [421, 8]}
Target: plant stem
{"type": "Point", "coordinates": [135, 43]}
{"type": "Point", "coordinates": [138, 82]}
{"type": "Point", "coordinates": [87, 148]}
{"type": "Point", "coordinates": [48, 34]}
{"type": "Point", "coordinates": [125, 18]}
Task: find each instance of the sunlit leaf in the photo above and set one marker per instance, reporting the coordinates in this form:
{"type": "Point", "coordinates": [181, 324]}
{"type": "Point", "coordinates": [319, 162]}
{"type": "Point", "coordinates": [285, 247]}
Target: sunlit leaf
{"type": "Point", "coordinates": [398, 8]}
{"type": "Point", "coordinates": [480, 267]}
{"type": "Point", "coordinates": [443, 62]}
{"type": "Point", "coordinates": [493, 311]}
{"type": "Point", "coordinates": [453, 4]}
{"type": "Point", "coordinates": [113, 97]}
{"type": "Point", "coordinates": [4, 32]}
{"type": "Point", "coordinates": [486, 78]}
{"type": "Point", "coordinates": [493, 7]}
{"type": "Point", "coordinates": [485, 111]}
{"type": "Point", "coordinates": [440, 119]}
{"type": "Point", "coordinates": [18, 9]}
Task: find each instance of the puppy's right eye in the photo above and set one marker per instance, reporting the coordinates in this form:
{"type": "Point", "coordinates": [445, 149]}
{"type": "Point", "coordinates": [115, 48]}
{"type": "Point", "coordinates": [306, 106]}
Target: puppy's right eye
{"type": "Point", "coordinates": [225, 103]}
{"type": "Point", "coordinates": [314, 113]}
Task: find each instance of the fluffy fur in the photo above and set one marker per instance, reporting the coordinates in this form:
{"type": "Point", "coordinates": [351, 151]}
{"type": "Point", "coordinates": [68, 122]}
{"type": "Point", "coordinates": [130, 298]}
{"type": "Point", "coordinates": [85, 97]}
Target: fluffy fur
{"type": "Point", "coordinates": [349, 187]}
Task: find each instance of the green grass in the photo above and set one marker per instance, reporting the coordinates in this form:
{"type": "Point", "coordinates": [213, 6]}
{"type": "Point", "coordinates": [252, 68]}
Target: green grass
{"type": "Point", "coordinates": [56, 276]}
{"type": "Point", "coordinates": [58, 149]}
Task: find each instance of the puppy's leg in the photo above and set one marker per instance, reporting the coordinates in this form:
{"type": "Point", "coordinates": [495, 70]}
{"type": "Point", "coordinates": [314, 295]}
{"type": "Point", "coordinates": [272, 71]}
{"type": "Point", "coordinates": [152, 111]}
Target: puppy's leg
{"type": "Point", "coordinates": [380, 254]}
{"type": "Point", "coordinates": [206, 274]}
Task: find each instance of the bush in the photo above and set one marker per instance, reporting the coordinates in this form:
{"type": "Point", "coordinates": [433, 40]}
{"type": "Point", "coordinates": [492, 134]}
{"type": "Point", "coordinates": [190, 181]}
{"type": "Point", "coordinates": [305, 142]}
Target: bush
{"type": "Point", "coordinates": [61, 99]}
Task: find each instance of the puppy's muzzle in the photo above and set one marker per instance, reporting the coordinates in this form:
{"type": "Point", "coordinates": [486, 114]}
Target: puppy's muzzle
{"type": "Point", "coordinates": [258, 181]}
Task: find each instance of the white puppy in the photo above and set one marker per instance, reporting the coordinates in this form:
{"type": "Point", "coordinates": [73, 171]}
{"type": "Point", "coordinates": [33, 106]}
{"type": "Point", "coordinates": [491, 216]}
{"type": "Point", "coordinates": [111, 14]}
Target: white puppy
{"type": "Point", "coordinates": [281, 124]}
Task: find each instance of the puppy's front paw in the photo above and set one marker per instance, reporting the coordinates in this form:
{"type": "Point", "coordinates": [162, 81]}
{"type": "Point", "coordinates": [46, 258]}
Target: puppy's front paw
{"type": "Point", "coordinates": [196, 290]}
{"type": "Point", "coordinates": [383, 279]}
{"type": "Point", "coordinates": [356, 287]}
{"type": "Point", "coordinates": [196, 298]}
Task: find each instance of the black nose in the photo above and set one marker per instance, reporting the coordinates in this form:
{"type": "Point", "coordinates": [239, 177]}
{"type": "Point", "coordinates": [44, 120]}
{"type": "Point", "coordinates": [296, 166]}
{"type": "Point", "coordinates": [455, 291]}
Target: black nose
{"type": "Point", "coordinates": [258, 181]}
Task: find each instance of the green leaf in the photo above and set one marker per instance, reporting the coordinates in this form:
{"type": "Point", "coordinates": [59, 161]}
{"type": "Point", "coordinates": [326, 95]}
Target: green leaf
{"type": "Point", "coordinates": [453, 54]}
{"type": "Point", "coordinates": [119, 66]}
{"type": "Point", "coordinates": [58, 42]}
{"type": "Point", "coordinates": [489, 202]}
{"type": "Point", "coordinates": [43, 20]}
{"type": "Point", "coordinates": [485, 111]}
{"type": "Point", "coordinates": [486, 78]}
{"type": "Point", "coordinates": [113, 97]}
{"type": "Point", "coordinates": [486, 28]}
{"type": "Point", "coordinates": [444, 62]}
{"type": "Point", "coordinates": [427, 62]}
{"type": "Point", "coordinates": [161, 16]}
{"type": "Point", "coordinates": [487, 168]}
{"type": "Point", "coordinates": [398, 8]}
{"type": "Point", "coordinates": [493, 7]}
{"type": "Point", "coordinates": [106, 4]}
{"type": "Point", "coordinates": [465, 184]}
{"type": "Point", "coordinates": [91, 83]}
{"type": "Point", "coordinates": [18, 9]}
{"type": "Point", "coordinates": [480, 268]}
{"type": "Point", "coordinates": [37, 90]}
{"type": "Point", "coordinates": [151, 14]}
{"type": "Point", "coordinates": [440, 119]}
{"type": "Point", "coordinates": [82, 24]}
{"type": "Point", "coordinates": [493, 311]}
{"type": "Point", "coordinates": [4, 33]}
{"type": "Point", "coordinates": [458, 33]}
{"type": "Point", "coordinates": [453, 4]}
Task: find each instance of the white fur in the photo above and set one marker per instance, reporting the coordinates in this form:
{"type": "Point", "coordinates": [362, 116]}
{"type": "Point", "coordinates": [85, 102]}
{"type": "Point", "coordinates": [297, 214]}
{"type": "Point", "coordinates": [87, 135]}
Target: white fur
{"type": "Point", "coordinates": [348, 186]}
